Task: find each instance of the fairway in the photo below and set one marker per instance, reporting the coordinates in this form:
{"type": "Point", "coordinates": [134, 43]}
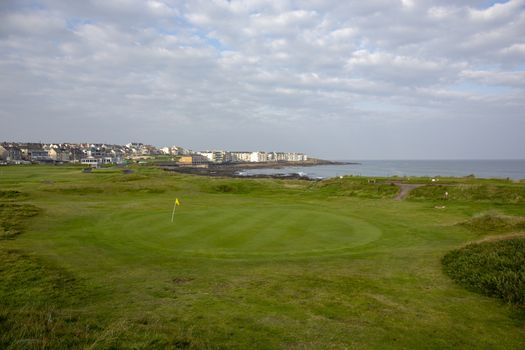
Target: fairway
{"type": "Point", "coordinates": [259, 264]}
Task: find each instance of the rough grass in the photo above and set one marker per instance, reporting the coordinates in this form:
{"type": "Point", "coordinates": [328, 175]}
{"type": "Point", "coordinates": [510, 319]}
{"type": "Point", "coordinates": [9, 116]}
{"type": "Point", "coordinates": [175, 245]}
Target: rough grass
{"type": "Point", "coordinates": [246, 264]}
{"type": "Point", "coordinates": [494, 193]}
{"type": "Point", "coordinates": [11, 194]}
{"type": "Point", "coordinates": [357, 187]}
{"type": "Point", "coordinates": [494, 222]}
{"type": "Point", "coordinates": [233, 186]}
{"type": "Point", "coordinates": [36, 308]}
{"type": "Point", "coordinates": [494, 268]}
{"type": "Point", "coordinates": [13, 216]}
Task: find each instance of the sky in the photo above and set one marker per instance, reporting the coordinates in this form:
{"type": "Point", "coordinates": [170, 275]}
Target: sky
{"type": "Point", "coordinates": [375, 79]}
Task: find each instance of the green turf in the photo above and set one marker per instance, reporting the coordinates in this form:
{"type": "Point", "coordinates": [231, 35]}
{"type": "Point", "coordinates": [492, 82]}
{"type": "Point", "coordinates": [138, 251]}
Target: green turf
{"type": "Point", "coordinates": [246, 264]}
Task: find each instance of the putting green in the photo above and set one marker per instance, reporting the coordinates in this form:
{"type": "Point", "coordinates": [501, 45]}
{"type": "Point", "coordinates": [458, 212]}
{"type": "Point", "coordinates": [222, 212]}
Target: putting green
{"type": "Point", "coordinates": [245, 230]}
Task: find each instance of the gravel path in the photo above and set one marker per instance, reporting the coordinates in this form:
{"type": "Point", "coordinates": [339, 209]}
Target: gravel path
{"type": "Point", "coordinates": [404, 189]}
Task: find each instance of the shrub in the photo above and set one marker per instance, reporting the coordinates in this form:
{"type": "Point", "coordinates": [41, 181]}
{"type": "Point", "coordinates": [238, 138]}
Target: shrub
{"type": "Point", "coordinates": [494, 268]}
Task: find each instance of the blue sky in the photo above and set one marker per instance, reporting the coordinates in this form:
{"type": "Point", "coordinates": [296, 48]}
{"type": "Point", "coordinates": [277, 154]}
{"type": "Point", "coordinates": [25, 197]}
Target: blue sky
{"type": "Point", "coordinates": [336, 79]}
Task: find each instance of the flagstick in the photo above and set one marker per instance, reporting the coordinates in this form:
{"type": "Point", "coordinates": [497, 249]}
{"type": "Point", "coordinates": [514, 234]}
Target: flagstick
{"type": "Point", "coordinates": [173, 212]}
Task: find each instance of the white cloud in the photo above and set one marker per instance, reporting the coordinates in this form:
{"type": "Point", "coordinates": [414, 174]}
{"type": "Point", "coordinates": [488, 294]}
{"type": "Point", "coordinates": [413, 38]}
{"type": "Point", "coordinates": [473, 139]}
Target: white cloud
{"type": "Point", "coordinates": [257, 64]}
{"type": "Point", "coordinates": [498, 11]}
{"type": "Point", "coordinates": [509, 79]}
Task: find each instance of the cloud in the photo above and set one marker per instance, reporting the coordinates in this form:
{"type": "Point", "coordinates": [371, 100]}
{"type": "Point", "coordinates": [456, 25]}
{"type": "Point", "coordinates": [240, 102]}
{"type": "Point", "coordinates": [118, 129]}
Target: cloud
{"type": "Point", "coordinates": [497, 12]}
{"type": "Point", "coordinates": [508, 79]}
{"type": "Point", "coordinates": [155, 69]}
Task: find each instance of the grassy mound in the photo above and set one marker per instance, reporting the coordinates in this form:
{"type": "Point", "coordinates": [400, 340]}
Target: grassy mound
{"type": "Point", "coordinates": [13, 216]}
{"type": "Point", "coordinates": [493, 222]}
{"type": "Point", "coordinates": [11, 194]}
{"type": "Point", "coordinates": [494, 268]}
{"type": "Point", "coordinates": [35, 312]}
{"type": "Point", "coordinates": [357, 187]}
{"type": "Point", "coordinates": [233, 186]}
{"type": "Point", "coordinates": [496, 193]}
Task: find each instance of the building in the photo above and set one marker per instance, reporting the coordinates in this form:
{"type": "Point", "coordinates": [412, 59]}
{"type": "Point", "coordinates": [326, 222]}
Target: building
{"type": "Point", "coordinates": [258, 157]}
{"type": "Point", "coordinates": [59, 154]}
{"type": "Point", "coordinates": [3, 153]}
{"type": "Point", "coordinates": [34, 153]}
{"type": "Point", "coordinates": [241, 156]}
{"type": "Point", "coordinates": [76, 154]}
{"type": "Point", "coordinates": [92, 162]}
{"type": "Point", "coordinates": [14, 154]}
{"type": "Point", "coordinates": [194, 160]}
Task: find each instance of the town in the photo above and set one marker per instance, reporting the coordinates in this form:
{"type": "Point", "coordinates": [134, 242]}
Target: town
{"type": "Point", "coordinates": [99, 154]}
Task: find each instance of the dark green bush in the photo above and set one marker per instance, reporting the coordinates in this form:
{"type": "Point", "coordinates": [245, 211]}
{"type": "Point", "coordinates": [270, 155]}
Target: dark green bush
{"type": "Point", "coordinates": [493, 268]}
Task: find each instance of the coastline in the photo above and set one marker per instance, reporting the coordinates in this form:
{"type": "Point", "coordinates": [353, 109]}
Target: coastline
{"type": "Point", "coordinates": [234, 169]}
{"type": "Point", "coordinates": [322, 169]}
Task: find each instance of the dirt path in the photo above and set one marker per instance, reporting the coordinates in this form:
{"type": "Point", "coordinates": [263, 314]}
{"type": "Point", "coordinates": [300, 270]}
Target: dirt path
{"type": "Point", "coordinates": [404, 189]}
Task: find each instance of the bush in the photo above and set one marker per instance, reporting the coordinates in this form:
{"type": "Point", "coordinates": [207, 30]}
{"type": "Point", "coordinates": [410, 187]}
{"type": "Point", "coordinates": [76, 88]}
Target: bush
{"type": "Point", "coordinates": [494, 268]}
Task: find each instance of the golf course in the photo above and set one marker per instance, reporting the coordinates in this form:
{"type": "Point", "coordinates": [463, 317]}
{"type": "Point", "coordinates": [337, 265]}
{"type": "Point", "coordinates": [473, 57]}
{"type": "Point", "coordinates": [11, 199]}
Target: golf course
{"type": "Point", "coordinates": [106, 260]}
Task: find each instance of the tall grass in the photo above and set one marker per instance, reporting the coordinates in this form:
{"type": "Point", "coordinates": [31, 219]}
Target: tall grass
{"type": "Point", "coordinates": [13, 216]}
{"type": "Point", "coordinates": [495, 193]}
{"type": "Point", "coordinates": [37, 306]}
{"type": "Point", "coordinates": [356, 187]}
{"type": "Point", "coordinates": [494, 222]}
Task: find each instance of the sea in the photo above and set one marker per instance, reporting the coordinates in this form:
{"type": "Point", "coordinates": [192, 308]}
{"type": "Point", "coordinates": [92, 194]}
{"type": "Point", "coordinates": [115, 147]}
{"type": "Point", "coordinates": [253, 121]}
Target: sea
{"type": "Point", "coordinates": [512, 169]}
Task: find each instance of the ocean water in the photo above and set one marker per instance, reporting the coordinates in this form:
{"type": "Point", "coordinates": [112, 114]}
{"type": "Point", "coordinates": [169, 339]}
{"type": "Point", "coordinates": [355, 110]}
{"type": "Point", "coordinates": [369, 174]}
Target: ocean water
{"type": "Point", "coordinates": [513, 169]}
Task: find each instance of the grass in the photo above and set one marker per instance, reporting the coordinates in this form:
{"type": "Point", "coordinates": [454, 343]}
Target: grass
{"type": "Point", "coordinates": [494, 222]}
{"type": "Point", "coordinates": [491, 192]}
{"type": "Point", "coordinates": [247, 263]}
{"type": "Point", "coordinates": [13, 217]}
{"type": "Point", "coordinates": [39, 306]}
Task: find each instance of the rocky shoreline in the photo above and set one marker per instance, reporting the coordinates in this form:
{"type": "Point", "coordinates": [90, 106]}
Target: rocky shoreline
{"type": "Point", "coordinates": [234, 169]}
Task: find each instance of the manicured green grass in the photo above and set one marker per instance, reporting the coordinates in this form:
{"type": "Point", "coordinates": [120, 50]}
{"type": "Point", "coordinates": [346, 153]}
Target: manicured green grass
{"type": "Point", "coordinates": [258, 264]}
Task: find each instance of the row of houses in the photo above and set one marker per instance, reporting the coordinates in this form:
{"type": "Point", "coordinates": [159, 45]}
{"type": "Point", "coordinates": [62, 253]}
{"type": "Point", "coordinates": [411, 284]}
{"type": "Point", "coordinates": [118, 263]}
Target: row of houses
{"type": "Point", "coordinates": [96, 154]}
{"type": "Point", "coordinates": [84, 153]}
{"type": "Point", "coordinates": [244, 156]}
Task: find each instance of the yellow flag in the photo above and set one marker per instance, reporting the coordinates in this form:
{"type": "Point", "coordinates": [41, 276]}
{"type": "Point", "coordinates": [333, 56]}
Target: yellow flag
{"type": "Point", "coordinates": [177, 201]}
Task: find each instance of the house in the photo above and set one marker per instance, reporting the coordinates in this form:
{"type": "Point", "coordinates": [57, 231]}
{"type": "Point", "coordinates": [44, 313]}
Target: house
{"type": "Point", "coordinates": [217, 156]}
{"type": "Point", "coordinates": [194, 160]}
{"type": "Point", "coordinates": [3, 153]}
{"type": "Point", "coordinates": [258, 157]}
{"type": "Point", "coordinates": [14, 154]}
{"type": "Point", "coordinates": [34, 152]}
{"type": "Point", "coordinates": [76, 154]}
{"type": "Point", "coordinates": [91, 161]}
{"type": "Point", "coordinates": [59, 154]}
{"type": "Point", "coordinates": [241, 156]}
